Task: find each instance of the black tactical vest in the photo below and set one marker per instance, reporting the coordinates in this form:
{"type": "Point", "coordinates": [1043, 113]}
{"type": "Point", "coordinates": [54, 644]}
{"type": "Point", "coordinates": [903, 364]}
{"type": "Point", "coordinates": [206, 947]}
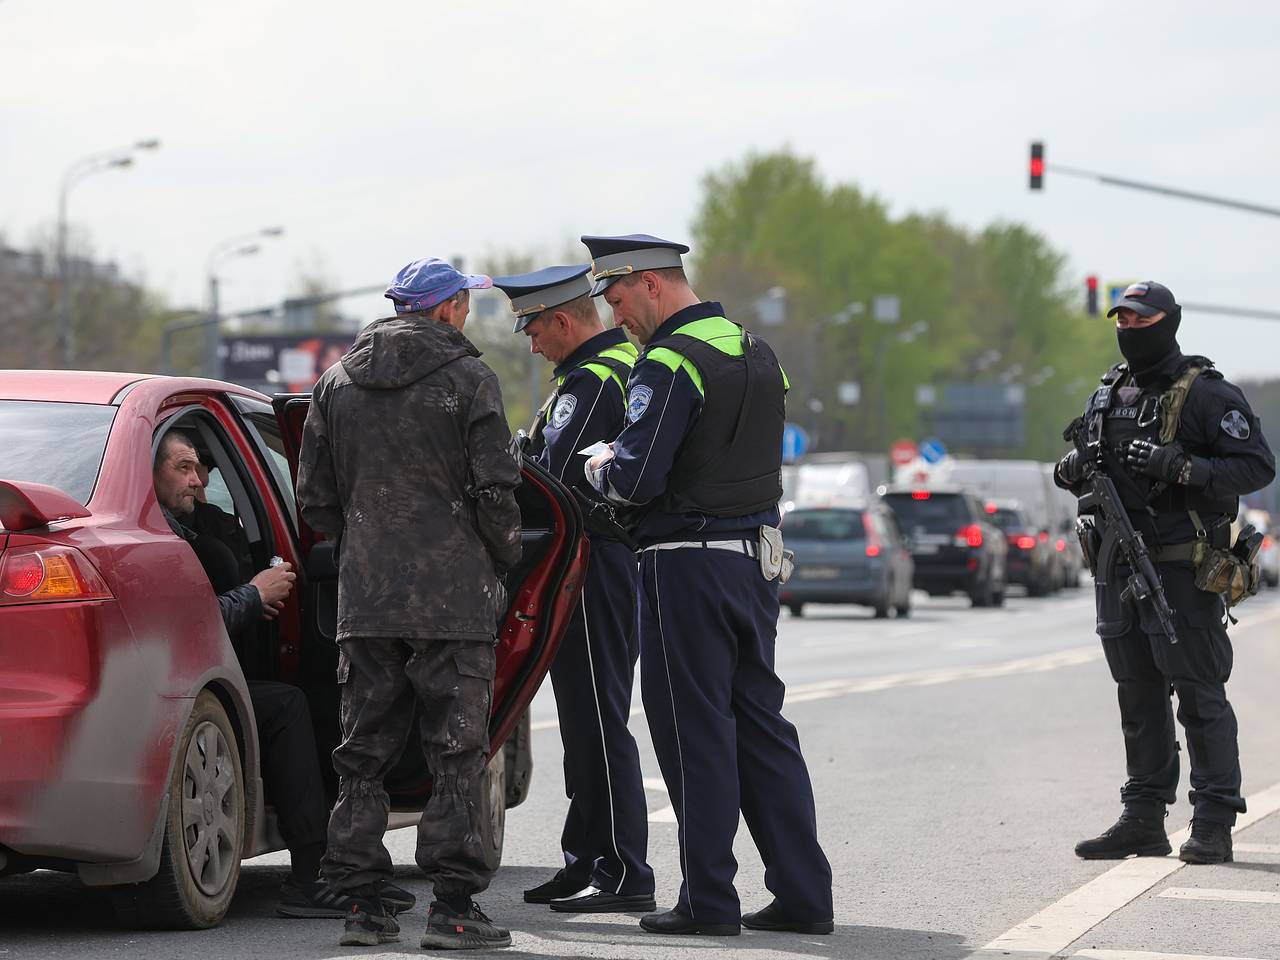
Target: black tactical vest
{"type": "Point", "coordinates": [730, 463]}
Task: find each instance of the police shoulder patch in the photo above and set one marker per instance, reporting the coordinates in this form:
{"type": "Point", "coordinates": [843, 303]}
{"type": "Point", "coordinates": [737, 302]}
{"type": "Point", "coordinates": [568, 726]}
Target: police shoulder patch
{"type": "Point", "coordinates": [1235, 424]}
{"type": "Point", "coordinates": [563, 412]}
{"type": "Point", "coordinates": [638, 402]}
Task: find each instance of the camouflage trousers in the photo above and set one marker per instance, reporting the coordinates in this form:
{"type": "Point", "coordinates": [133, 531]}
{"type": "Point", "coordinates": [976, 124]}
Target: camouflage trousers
{"type": "Point", "coordinates": [381, 682]}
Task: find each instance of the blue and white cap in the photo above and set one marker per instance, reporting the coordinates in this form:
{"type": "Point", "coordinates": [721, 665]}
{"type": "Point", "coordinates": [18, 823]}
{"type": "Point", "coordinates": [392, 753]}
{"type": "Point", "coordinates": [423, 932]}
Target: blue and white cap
{"type": "Point", "coordinates": [615, 257]}
{"type": "Point", "coordinates": [532, 293]}
{"type": "Point", "coordinates": [424, 284]}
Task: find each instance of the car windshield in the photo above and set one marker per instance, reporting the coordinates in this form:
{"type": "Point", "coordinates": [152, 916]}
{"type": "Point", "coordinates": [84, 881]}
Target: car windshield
{"type": "Point", "coordinates": [1008, 520]}
{"type": "Point", "coordinates": [59, 444]}
{"type": "Point", "coordinates": [931, 512]}
{"type": "Point", "coordinates": [824, 525]}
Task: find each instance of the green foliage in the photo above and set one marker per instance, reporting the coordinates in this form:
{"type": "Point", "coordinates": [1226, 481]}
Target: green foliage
{"type": "Point", "coordinates": [770, 221]}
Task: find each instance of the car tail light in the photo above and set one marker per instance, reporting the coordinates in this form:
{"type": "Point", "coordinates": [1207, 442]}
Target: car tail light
{"type": "Point", "coordinates": [1266, 543]}
{"type": "Point", "coordinates": [48, 573]}
{"type": "Point", "coordinates": [919, 494]}
{"type": "Point", "coordinates": [970, 536]}
{"type": "Point", "coordinates": [1025, 543]}
{"type": "Point", "coordinates": [1044, 536]}
{"type": "Point", "coordinates": [873, 538]}
{"type": "Point", "coordinates": [1060, 545]}
{"type": "Point", "coordinates": [991, 508]}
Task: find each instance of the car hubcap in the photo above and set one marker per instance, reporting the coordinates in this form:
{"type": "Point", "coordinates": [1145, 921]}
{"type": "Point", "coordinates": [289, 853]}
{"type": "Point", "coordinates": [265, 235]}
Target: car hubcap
{"type": "Point", "coordinates": [210, 814]}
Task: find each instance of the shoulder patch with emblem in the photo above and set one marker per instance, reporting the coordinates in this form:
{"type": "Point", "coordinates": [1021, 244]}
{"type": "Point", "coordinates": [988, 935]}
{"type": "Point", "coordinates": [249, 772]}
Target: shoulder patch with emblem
{"type": "Point", "coordinates": [638, 402]}
{"type": "Point", "coordinates": [1234, 424]}
{"type": "Point", "coordinates": [563, 412]}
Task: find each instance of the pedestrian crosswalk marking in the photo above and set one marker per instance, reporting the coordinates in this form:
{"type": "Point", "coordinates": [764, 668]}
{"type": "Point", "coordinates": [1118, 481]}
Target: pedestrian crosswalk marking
{"type": "Point", "coordinates": [1147, 955]}
{"type": "Point", "coordinates": [1227, 896]}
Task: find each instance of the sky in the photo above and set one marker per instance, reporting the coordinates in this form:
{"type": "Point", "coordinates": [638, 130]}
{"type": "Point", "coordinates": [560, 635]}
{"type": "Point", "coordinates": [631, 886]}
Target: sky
{"type": "Point", "coordinates": [383, 131]}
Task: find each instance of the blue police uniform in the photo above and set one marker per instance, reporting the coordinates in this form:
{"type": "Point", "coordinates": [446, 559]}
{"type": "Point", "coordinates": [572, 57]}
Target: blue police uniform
{"type": "Point", "coordinates": [708, 616]}
{"type": "Point", "coordinates": [605, 834]}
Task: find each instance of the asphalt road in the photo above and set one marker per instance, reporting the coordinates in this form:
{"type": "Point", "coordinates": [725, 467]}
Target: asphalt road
{"type": "Point", "coordinates": [957, 756]}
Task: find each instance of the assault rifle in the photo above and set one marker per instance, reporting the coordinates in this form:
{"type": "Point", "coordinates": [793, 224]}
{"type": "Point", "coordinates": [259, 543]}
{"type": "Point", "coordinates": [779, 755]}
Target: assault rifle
{"type": "Point", "coordinates": [1118, 533]}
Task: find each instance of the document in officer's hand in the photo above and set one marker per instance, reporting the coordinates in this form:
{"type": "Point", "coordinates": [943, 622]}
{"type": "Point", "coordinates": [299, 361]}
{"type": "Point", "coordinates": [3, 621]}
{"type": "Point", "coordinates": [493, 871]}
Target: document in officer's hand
{"type": "Point", "coordinates": [597, 449]}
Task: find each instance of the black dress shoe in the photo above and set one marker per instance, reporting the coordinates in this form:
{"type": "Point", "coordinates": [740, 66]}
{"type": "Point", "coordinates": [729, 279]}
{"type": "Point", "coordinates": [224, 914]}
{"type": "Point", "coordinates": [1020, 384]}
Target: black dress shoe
{"type": "Point", "coordinates": [558, 886]}
{"type": "Point", "coordinates": [595, 900]}
{"type": "Point", "coordinates": [1209, 843]}
{"type": "Point", "coordinates": [676, 921]}
{"type": "Point", "coordinates": [773, 917]}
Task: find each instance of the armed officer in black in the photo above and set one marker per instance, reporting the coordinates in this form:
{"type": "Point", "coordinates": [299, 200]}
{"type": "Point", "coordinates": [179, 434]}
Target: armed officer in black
{"type": "Point", "coordinates": [606, 830]}
{"type": "Point", "coordinates": [700, 460]}
{"type": "Point", "coordinates": [1180, 481]}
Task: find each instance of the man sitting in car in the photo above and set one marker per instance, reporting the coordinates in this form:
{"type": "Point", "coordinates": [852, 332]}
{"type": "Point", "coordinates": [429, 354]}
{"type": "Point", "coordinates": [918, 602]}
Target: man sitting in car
{"type": "Point", "coordinates": [290, 764]}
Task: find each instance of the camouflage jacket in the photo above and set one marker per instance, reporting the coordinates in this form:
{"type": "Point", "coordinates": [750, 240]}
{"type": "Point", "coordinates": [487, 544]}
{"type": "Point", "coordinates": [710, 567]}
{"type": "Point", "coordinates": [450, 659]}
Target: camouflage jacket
{"type": "Point", "coordinates": [405, 460]}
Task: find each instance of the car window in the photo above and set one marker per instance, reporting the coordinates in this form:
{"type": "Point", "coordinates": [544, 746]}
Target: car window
{"type": "Point", "coordinates": [824, 525]}
{"type": "Point", "coordinates": [932, 512]}
{"type": "Point", "coordinates": [260, 421]}
{"type": "Point", "coordinates": [58, 444]}
{"type": "Point", "coordinates": [216, 491]}
{"type": "Point", "coordinates": [1008, 520]}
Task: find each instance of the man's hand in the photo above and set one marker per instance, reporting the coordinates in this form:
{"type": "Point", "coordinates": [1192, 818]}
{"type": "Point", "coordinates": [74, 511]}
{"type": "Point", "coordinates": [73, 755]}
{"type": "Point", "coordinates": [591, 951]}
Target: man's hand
{"type": "Point", "coordinates": [1161, 462]}
{"type": "Point", "coordinates": [1070, 468]}
{"type": "Point", "coordinates": [593, 466]}
{"type": "Point", "coordinates": [274, 585]}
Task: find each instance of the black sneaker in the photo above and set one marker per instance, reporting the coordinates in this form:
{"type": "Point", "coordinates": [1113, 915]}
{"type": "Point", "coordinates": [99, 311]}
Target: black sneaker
{"type": "Point", "coordinates": [395, 899]}
{"type": "Point", "coordinates": [1128, 836]}
{"type": "Point", "coordinates": [471, 930]}
{"type": "Point", "coordinates": [368, 924]}
{"type": "Point", "coordinates": [1210, 843]}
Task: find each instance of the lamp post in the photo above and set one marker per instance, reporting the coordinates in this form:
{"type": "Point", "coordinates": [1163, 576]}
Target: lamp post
{"type": "Point", "coordinates": [229, 249]}
{"type": "Point", "coordinates": [100, 162]}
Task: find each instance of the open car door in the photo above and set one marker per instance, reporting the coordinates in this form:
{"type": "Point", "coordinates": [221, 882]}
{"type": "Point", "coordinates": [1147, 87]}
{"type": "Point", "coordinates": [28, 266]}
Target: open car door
{"type": "Point", "coordinates": [543, 591]}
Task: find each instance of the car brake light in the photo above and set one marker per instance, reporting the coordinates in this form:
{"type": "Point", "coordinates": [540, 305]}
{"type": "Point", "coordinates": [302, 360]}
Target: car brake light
{"type": "Point", "coordinates": [1266, 543]}
{"type": "Point", "coordinates": [49, 573]}
{"type": "Point", "coordinates": [970, 536]}
{"type": "Point", "coordinates": [1061, 545]}
{"type": "Point", "coordinates": [1044, 536]}
{"type": "Point", "coordinates": [992, 508]}
{"type": "Point", "coordinates": [919, 494]}
{"type": "Point", "coordinates": [1026, 543]}
{"type": "Point", "coordinates": [873, 538]}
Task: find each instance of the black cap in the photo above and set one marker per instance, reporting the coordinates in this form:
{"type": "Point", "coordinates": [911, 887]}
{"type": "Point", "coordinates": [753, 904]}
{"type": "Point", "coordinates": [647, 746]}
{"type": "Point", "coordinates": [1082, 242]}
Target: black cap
{"type": "Point", "coordinates": [1146, 299]}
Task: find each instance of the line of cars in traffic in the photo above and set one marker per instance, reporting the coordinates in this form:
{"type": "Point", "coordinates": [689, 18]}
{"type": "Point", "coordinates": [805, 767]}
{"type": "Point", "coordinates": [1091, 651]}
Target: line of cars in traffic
{"type": "Point", "coordinates": [960, 526]}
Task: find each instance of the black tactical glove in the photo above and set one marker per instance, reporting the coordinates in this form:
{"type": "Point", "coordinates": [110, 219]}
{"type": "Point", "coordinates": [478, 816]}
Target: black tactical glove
{"type": "Point", "coordinates": [1070, 468]}
{"type": "Point", "coordinates": [1167, 462]}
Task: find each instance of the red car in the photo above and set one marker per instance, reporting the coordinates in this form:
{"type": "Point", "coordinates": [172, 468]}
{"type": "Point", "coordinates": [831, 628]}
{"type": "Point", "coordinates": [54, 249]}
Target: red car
{"type": "Point", "coordinates": [128, 750]}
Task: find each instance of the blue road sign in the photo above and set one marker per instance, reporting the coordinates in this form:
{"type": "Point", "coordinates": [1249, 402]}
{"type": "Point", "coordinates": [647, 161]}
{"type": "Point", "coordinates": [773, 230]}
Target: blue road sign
{"type": "Point", "coordinates": [794, 442]}
{"type": "Point", "coordinates": [932, 450]}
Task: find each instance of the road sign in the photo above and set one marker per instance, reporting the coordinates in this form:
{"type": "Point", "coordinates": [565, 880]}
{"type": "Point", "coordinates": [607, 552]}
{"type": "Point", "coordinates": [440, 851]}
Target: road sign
{"type": "Point", "coordinates": [903, 452]}
{"type": "Point", "coordinates": [932, 450]}
{"type": "Point", "coordinates": [794, 442]}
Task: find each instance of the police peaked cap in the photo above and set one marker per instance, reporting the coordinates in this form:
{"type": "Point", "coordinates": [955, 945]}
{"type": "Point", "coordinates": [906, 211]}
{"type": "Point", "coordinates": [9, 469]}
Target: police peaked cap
{"type": "Point", "coordinates": [532, 293]}
{"type": "Point", "coordinates": [615, 257]}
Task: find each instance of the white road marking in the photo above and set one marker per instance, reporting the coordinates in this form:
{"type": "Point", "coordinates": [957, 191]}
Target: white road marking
{"type": "Point", "coordinates": [1061, 924]}
{"type": "Point", "coordinates": [666, 814]}
{"type": "Point", "coordinates": [1225, 896]}
{"type": "Point", "coordinates": [1264, 848]}
{"type": "Point", "coordinates": [1146, 955]}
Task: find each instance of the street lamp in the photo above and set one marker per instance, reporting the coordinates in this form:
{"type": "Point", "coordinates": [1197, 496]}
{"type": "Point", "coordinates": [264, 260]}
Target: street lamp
{"type": "Point", "coordinates": [229, 249]}
{"type": "Point", "coordinates": [100, 162]}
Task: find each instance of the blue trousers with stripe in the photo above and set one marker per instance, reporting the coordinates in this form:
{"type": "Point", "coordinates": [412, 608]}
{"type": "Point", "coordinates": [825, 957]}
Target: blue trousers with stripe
{"type": "Point", "coordinates": [708, 621]}
{"type": "Point", "coordinates": [606, 831]}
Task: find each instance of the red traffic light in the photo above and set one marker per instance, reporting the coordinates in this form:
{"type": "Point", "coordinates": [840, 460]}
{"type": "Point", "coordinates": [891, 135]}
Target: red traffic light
{"type": "Point", "coordinates": [1091, 295]}
{"type": "Point", "coordinates": [1037, 165]}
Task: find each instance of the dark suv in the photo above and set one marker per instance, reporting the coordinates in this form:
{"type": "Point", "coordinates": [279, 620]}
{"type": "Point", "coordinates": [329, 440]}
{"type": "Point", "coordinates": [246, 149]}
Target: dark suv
{"type": "Point", "coordinates": [1031, 561]}
{"type": "Point", "coordinates": [953, 543]}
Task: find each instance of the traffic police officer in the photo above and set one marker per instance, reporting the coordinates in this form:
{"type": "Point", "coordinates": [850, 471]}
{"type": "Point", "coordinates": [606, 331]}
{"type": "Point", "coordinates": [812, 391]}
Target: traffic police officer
{"type": "Point", "coordinates": [1178, 494]}
{"type": "Point", "coordinates": [701, 454]}
{"type": "Point", "coordinates": [606, 830]}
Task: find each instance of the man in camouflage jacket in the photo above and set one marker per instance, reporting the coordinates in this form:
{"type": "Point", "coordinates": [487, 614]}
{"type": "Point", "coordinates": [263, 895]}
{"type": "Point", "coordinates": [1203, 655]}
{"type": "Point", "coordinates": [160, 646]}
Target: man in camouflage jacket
{"type": "Point", "coordinates": [405, 462]}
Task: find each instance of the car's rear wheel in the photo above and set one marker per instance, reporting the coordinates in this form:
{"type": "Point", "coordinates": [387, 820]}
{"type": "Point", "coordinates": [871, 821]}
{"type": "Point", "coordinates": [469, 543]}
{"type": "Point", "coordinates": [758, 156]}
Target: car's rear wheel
{"type": "Point", "coordinates": [204, 831]}
{"type": "Point", "coordinates": [495, 812]}
{"type": "Point", "coordinates": [797, 609]}
{"type": "Point", "coordinates": [982, 595]}
{"type": "Point", "coordinates": [904, 608]}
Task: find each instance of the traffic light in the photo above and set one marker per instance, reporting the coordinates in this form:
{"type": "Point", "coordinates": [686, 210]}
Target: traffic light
{"type": "Point", "coordinates": [1091, 295]}
{"type": "Point", "coordinates": [1037, 165]}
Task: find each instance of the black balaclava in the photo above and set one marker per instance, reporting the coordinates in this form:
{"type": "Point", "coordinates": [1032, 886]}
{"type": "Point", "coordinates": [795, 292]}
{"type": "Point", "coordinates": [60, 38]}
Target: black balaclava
{"type": "Point", "coordinates": [1144, 347]}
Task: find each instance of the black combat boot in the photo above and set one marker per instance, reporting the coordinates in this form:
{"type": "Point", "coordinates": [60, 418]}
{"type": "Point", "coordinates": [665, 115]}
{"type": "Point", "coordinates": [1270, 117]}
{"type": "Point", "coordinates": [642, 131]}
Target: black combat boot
{"type": "Point", "coordinates": [1130, 835]}
{"type": "Point", "coordinates": [1210, 843]}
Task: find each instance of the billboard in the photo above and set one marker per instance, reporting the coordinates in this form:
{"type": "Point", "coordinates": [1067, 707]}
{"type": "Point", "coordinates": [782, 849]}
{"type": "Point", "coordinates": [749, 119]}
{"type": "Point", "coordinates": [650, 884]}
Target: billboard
{"type": "Point", "coordinates": [282, 364]}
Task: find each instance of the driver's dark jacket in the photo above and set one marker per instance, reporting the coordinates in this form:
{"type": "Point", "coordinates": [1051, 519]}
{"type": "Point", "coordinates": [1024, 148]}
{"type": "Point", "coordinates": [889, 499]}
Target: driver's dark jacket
{"type": "Point", "coordinates": [406, 460]}
{"type": "Point", "coordinates": [1223, 467]}
{"type": "Point", "coordinates": [240, 606]}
